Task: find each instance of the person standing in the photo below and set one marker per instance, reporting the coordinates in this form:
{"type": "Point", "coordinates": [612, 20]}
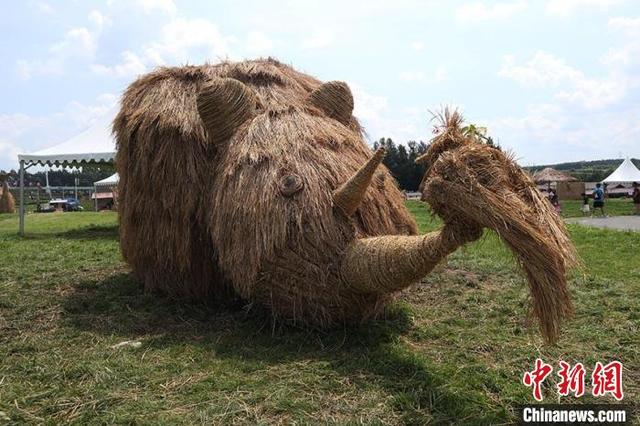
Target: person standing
{"type": "Point", "coordinates": [585, 204]}
{"type": "Point", "coordinates": [636, 197]}
{"type": "Point", "coordinates": [598, 199]}
{"type": "Point", "coordinates": [555, 202]}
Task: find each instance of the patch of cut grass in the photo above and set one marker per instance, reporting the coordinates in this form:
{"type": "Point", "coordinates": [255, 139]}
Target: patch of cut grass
{"type": "Point", "coordinates": [613, 207]}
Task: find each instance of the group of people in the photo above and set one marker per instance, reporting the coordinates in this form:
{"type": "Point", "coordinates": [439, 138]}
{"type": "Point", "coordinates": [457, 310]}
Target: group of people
{"type": "Point", "coordinates": [598, 200]}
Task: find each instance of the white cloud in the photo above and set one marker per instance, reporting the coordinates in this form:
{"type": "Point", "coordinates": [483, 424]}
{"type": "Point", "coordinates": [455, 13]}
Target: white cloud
{"type": "Point", "coordinates": [8, 155]}
{"type": "Point", "coordinates": [82, 115]}
{"type": "Point", "coordinates": [379, 120]}
{"type": "Point", "coordinates": [481, 11]}
{"type": "Point", "coordinates": [99, 20]}
{"type": "Point", "coordinates": [624, 60]}
{"type": "Point", "coordinates": [417, 45]}
{"type": "Point", "coordinates": [131, 66]}
{"type": "Point", "coordinates": [541, 70]}
{"type": "Point", "coordinates": [78, 45]}
{"type": "Point", "coordinates": [23, 69]}
{"type": "Point", "coordinates": [258, 42]}
{"type": "Point", "coordinates": [544, 70]}
{"type": "Point", "coordinates": [439, 74]}
{"type": "Point", "coordinates": [629, 25]}
{"type": "Point", "coordinates": [183, 39]}
{"type": "Point", "coordinates": [44, 8]}
{"type": "Point", "coordinates": [78, 41]}
{"type": "Point", "coordinates": [167, 7]}
{"type": "Point", "coordinates": [319, 39]}
{"type": "Point", "coordinates": [585, 116]}
{"type": "Point", "coordinates": [562, 134]}
{"type": "Point", "coordinates": [366, 105]}
{"type": "Point", "coordinates": [567, 7]}
{"type": "Point", "coordinates": [412, 76]}
{"type": "Point", "coordinates": [21, 132]}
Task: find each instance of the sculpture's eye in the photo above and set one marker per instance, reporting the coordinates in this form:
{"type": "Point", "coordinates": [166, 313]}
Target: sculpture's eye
{"type": "Point", "coordinates": [290, 184]}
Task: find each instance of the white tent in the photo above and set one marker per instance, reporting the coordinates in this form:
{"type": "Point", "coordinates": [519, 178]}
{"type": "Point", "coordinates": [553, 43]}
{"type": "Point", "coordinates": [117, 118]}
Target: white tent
{"type": "Point", "coordinates": [110, 181]}
{"type": "Point", "coordinates": [106, 187]}
{"type": "Point", "coordinates": [94, 145]}
{"type": "Point", "coordinates": [625, 173]}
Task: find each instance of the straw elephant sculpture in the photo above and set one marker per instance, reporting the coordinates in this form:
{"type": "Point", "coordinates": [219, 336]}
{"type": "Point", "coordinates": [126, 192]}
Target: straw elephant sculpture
{"type": "Point", "coordinates": [252, 181]}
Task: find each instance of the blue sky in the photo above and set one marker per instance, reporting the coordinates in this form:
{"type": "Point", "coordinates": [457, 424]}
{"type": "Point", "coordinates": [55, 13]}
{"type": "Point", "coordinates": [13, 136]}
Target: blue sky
{"type": "Point", "coordinates": [554, 80]}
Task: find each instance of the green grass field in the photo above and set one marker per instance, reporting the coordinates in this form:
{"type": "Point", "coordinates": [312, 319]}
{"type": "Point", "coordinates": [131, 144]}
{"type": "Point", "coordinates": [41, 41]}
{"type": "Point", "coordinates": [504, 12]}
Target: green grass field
{"type": "Point", "coordinates": [452, 349]}
{"type": "Point", "coordinates": [613, 207]}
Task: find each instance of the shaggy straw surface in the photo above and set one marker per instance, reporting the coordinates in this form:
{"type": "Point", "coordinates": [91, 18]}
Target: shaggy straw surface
{"type": "Point", "coordinates": [470, 182]}
{"type": "Point", "coordinates": [252, 215]}
{"type": "Point", "coordinates": [7, 202]}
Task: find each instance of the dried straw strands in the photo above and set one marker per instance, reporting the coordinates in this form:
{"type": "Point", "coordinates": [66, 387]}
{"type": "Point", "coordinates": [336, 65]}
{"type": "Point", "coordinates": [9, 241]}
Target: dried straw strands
{"type": "Point", "coordinates": [7, 202]}
{"type": "Point", "coordinates": [251, 180]}
{"type": "Point", "coordinates": [469, 182]}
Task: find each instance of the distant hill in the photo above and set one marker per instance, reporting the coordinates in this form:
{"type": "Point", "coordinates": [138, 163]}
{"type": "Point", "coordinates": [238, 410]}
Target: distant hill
{"type": "Point", "coordinates": [587, 171]}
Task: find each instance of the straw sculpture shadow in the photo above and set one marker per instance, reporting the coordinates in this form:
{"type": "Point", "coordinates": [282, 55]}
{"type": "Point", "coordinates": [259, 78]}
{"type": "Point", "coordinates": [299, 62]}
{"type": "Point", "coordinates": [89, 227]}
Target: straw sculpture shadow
{"type": "Point", "coordinates": [117, 306]}
{"type": "Point", "coordinates": [93, 232]}
{"type": "Point", "coordinates": [87, 233]}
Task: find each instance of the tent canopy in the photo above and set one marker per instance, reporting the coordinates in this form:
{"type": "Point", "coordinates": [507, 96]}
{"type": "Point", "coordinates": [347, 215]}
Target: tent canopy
{"type": "Point", "coordinates": [625, 173]}
{"type": "Point", "coordinates": [548, 175]}
{"type": "Point", "coordinates": [110, 181]}
{"type": "Point", "coordinates": [95, 144]}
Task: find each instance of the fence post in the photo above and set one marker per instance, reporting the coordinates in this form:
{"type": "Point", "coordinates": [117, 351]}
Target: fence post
{"type": "Point", "coordinates": [21, 229]}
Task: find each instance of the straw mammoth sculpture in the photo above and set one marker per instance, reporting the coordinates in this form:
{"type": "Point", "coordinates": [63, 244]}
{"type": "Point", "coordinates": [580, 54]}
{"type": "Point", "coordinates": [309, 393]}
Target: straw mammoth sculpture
{"type": "Point", "coordinates": [251, 180]}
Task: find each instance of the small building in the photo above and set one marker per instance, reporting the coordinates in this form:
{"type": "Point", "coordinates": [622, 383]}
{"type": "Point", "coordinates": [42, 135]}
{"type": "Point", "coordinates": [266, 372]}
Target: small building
{"type": "Point", "coordinates": [106, 193]}
{"type": "Point", "coordinates": [103, 200]}
{"type": "Point", "coordinates": [567, 187]}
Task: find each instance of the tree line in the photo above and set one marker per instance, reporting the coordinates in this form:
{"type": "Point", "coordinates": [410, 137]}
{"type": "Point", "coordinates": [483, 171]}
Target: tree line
{"type": "Point", "coordinates": [86, 176]}
{"type": "Point", "coordinates": [400, 160]}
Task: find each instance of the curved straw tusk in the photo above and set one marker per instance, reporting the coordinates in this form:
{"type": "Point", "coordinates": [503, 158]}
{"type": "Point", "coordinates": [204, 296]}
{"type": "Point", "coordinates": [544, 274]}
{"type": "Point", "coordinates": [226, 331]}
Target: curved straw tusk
{"type": "Point", "coordinates": [392, 262]}
{"type": "Point", "coordinates": [350, 195]}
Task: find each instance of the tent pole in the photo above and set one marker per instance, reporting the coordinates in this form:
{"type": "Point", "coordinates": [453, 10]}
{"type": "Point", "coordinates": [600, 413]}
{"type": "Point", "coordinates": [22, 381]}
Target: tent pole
{"type": "Point", "coordinates": [21, 230]}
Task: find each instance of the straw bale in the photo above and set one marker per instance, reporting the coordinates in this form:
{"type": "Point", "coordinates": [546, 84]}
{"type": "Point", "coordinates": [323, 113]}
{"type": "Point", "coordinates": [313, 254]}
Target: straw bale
{"type": "Point", "coordinates": [7, 202]}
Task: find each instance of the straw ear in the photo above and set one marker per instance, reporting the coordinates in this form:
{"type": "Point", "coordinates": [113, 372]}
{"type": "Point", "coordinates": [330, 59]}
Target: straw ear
{"type": "Point", "coordinates": [223, 105]}
{"type": "Point", "coordinates": [335, 99]}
